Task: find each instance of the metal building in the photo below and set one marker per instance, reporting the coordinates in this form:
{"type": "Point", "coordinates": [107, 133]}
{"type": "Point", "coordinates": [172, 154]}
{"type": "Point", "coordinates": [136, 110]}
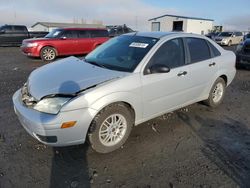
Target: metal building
{"type": "Point", "coordinates": [181, 23]}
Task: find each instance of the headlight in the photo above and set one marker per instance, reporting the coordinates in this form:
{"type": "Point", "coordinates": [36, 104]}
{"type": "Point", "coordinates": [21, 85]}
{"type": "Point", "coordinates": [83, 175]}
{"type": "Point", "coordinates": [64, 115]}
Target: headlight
{"type": "Point", "coordinates": [31, 44]}
{"type": "Point", "coordinates": [51, 105]}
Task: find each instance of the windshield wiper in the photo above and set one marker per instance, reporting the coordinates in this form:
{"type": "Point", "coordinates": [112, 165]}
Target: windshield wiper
{"type": "Point", "coordinates": [94, 63]}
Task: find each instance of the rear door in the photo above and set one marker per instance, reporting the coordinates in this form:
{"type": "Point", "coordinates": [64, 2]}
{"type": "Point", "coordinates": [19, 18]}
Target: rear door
{"type": "Point", "coordinates": [99, 37]}
{"type": "Point", "coordinates": [239, 37]}
{"type": "Point", "coordinates": [19, 34]}
{"type": "Point", "coordinates": [67, 44]}
{"type": "Point", "coordinates": [202, 66]}
{"type": "Point", "coordinates": [85, 42]}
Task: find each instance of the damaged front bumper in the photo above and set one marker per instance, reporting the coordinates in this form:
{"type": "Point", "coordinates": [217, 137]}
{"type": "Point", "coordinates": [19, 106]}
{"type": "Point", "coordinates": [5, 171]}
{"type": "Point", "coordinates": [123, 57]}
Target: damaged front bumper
{"type": "Point", "coordinates": [47, 127]}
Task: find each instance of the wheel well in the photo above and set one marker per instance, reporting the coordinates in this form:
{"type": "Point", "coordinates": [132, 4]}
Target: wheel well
{"type": "Point", "coordinates": [129, 106]}
{"type": "Point", "coordinates": [224, 77]}
{"type": "Point", "coordinates": [50, 47]}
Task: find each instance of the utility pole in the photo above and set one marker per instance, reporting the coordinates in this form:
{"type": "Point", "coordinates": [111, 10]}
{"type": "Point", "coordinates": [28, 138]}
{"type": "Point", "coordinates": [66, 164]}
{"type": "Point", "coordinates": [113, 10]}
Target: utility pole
{"type": "Point", "coordinates": [136, 22]}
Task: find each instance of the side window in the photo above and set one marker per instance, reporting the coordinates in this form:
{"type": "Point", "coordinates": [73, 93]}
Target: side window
{"type": "Point", "coordinates": [99, 33]}
{"type": "Point", "coordinates": [170, 54]}
{"type": "Point", "coordinates": [130, 30]}
{"type": "Point", "coordinates": [112, 31]}
{"type": "Point", "coordinates": [214, 50]}
{"type": "Point", "coordinates": [69, 34]}
{"type": "Point", "coordinates": [19, 29]}
{"type": "Point", "coordinates": [8, 29]}
{"type": "Point", "coordinates": [198, 49]}
{"type": "Point", "coordinates": [125, 30]}
{"type": "Point", "coordinates": [83, 34]}
{"type": "Point", "coordinates": [119, 30]}
{"type": "Point", "coordinates": [239, 34]}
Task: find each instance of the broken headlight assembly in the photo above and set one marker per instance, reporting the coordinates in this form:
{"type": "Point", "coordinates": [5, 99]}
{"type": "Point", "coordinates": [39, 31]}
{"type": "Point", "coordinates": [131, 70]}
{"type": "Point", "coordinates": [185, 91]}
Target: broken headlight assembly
{"type": "Point", "coordinates": [51, 105]}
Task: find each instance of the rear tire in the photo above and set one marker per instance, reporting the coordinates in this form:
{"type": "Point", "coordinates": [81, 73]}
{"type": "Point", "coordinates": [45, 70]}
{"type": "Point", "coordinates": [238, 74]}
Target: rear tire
{"type": "Point", "coordinates": [110, 128]}
{"type": "Point", "coordinates": [217, 93]}
{"type": "Point", "coordinates": [48, 54]}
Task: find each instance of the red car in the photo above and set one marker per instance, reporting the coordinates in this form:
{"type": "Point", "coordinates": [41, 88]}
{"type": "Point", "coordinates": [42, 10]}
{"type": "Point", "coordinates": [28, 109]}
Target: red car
{"type": "Point", "coordinates": [67, 41]}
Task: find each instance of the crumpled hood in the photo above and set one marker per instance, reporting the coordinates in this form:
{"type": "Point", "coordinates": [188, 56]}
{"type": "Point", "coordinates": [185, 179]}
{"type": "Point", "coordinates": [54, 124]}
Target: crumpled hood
{"type": "Point", "coordinates": [67, 76]}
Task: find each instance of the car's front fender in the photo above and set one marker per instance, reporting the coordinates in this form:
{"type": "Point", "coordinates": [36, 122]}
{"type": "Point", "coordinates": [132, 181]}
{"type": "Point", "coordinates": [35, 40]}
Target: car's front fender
{"type": "Point", "coordinates": [133, 100]}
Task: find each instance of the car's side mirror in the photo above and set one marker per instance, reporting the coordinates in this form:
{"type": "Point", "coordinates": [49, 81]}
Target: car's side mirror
{"type": "Point", "coordinates": [233, 36]}
{"type": "Point", "coordinates": [63, 38]}
{"type": "Point", "coordinates": [157, 68]}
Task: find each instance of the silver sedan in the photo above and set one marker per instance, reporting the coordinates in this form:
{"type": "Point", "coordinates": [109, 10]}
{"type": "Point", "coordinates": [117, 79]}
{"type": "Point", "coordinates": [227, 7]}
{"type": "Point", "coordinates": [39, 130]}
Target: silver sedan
{"type": "Point", "coordinates": [126, 81]}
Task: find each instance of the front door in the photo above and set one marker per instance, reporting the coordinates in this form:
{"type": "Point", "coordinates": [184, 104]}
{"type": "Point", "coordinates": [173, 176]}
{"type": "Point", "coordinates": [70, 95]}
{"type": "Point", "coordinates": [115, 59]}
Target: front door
{"type": "Point", "coordinates": [163, 92]}
{"type": "Point", "coordinates": [6, 35]}
{"type": "Point", "coordinates": [67, 44]}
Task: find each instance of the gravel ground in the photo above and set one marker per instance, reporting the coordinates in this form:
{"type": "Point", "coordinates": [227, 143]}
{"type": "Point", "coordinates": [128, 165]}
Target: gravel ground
{"type": "Point", "coordinates": [192, 147]}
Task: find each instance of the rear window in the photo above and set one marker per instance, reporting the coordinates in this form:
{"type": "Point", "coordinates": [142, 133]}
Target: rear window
{"type": "Point", "coordinates": [99, 33]}
{"type": "Point", "coordinates": [83, 34]}
{"type": "Point", "coordinates": [198, 49]}
{"type": "Point", "coordinates": [215, 51]}
{"type": "Point", "coordinates": [239, 34]}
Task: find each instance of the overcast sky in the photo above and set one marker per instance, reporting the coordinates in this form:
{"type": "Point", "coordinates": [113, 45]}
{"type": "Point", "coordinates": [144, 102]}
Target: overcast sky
{"type": "Point", "coordinates": [135, 13]}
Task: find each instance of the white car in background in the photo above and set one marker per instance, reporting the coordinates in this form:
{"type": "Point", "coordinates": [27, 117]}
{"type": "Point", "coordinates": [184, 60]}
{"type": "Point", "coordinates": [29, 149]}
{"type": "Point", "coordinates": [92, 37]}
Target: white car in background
{"type": "Point", "coordinates": [229, 38]}
{"type": "Point", "coordinates": [126, 81]}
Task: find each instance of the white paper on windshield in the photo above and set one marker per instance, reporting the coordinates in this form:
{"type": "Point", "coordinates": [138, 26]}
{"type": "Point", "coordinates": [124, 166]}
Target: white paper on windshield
{"type": "Point", "coordinates": [138, 45]}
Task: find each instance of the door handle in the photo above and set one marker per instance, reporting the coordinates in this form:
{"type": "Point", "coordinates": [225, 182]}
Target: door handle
{"type": "Point", "coordinates": [212, 64]}
{"type": "Point", "coordinates": [183, 73]}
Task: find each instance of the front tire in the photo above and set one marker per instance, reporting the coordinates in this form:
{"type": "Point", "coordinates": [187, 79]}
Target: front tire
{"type": "Point", "coordinates": [48, 54]}
{"type": "Point", "coordinates": [110, 128]}
{"type": "Point", "coordinates": [217, 93]}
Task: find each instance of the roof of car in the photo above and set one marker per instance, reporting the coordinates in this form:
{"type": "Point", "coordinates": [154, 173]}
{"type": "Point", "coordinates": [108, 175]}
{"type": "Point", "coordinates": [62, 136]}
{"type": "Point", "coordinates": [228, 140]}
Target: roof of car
{"type": "Point", "coordinates": [160, 34]}
{"type": "Point", "coordinates": [154, 34]}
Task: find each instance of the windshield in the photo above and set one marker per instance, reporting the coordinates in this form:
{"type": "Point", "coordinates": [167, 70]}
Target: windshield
{"type": "Point", "coordinates": [54, 34]}
{"type": "Point", "coordinates": [122, 53]}
{"type": "Point", "coordinates": [225, 34]}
